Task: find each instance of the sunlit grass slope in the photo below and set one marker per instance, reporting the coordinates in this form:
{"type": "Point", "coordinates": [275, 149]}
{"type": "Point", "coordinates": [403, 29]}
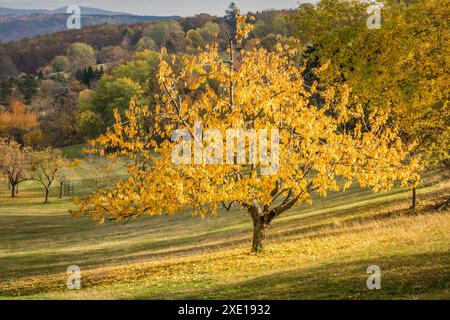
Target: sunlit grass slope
{"type": "Point", "coordinates": [320, 251]}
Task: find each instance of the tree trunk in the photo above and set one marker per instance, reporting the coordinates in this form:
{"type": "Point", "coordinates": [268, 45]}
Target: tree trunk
{"type": "Point", "coordinates": [46, 195]}
{"type": "Point", "coordinates": [13, 190]}
{"type": "Point", "coordinates": [61, 186]}
{"type": "Point", "coordinates": [413, 206]}
{"type": "Point", "coordinates": [260, 226]}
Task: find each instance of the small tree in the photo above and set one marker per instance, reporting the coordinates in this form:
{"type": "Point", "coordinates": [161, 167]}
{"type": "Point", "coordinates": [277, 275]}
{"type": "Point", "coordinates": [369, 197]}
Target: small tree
{"type": "Point", "coordinates": [60, 64]}
{"type": "Point", "coordinates": [146, 43]}
{"type": "Point", "coordinates": [46, 165]}
{"type": "Point", "coordinates": [246, 92]}
{"type": "Point", "coordinates": [81, 56]}
{"type": "Point", "coordinates": [230, 17]}
{"type": "Point", "coordinates": [195, 39]}
{"type": "Point", "coordinates": [14, 163]}
{"type": "Point", "coordinates": [63, 175]}
{"type": "Point", "coordinates": [209, 31]}
{"type": "Point", "coordinates": [101, 169]}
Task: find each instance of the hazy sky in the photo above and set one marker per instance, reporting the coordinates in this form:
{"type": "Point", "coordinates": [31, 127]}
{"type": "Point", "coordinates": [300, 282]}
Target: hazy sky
{"type": "Point", "coordinates": [157, 7]}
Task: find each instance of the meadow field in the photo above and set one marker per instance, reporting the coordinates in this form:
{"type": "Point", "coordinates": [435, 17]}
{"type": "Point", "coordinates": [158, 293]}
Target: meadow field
{"type": "Point", "coordinates": [318, 251]}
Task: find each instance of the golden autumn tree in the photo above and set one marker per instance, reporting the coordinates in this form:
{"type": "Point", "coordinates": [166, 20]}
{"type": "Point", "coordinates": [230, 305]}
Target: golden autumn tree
{"type": "Point", "coordinates": [241, 129]}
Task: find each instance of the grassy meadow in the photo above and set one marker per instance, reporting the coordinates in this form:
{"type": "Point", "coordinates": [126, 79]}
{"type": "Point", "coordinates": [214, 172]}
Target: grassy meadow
{"type": "Point", "coordinates": [312, 252]}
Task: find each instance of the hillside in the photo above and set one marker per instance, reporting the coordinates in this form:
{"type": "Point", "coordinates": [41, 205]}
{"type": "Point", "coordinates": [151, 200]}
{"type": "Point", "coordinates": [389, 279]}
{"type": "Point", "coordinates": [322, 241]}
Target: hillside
{"type": "Point", "coordinates": [319, 251]}
{"type": "Point", "coordinates": [28, 55]}
{"type": "Point", "coordinates": [16, 27]}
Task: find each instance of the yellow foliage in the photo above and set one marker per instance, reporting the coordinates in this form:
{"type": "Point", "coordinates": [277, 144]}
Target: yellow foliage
{"type": "Point", "coordinates": [259, 90]}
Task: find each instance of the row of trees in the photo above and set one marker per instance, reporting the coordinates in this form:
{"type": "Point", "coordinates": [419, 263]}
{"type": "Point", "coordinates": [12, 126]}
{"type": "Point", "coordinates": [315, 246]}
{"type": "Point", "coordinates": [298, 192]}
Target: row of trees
{"type": "Point", "coordinates": [19, 164]}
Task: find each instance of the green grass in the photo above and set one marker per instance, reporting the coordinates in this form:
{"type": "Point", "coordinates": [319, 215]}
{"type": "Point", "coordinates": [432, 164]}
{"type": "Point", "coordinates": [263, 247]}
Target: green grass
{"type": "Point", "coordinates": [73, 152]}
{"type": "Point", "coordinates": [313, 252]}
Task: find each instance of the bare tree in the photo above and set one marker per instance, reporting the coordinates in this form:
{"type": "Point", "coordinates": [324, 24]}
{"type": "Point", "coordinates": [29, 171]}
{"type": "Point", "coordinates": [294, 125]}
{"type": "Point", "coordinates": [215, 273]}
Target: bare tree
{"type": "Point", "coordinates": [101, 169]}
{"type": "Point", "coordinates": [46, 165]}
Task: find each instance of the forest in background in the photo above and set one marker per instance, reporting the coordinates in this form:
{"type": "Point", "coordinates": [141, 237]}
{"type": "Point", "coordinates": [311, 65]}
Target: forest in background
{"type": "Point", "coordinates": [72, 80]}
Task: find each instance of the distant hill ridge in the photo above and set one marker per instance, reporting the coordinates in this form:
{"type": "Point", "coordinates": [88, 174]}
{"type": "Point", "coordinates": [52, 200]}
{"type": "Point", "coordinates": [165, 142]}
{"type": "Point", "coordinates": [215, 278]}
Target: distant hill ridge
{"type": "Point", "coordinates": [17, 24]}
{"type": "Point", "coordinates": [84, 10]}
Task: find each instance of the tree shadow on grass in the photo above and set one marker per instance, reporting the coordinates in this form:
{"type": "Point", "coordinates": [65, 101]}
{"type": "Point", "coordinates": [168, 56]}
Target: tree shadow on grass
{"type": "Point", "coordinates": [422, 276]}
{"type": "Point", "coordinates": [187, 245]}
